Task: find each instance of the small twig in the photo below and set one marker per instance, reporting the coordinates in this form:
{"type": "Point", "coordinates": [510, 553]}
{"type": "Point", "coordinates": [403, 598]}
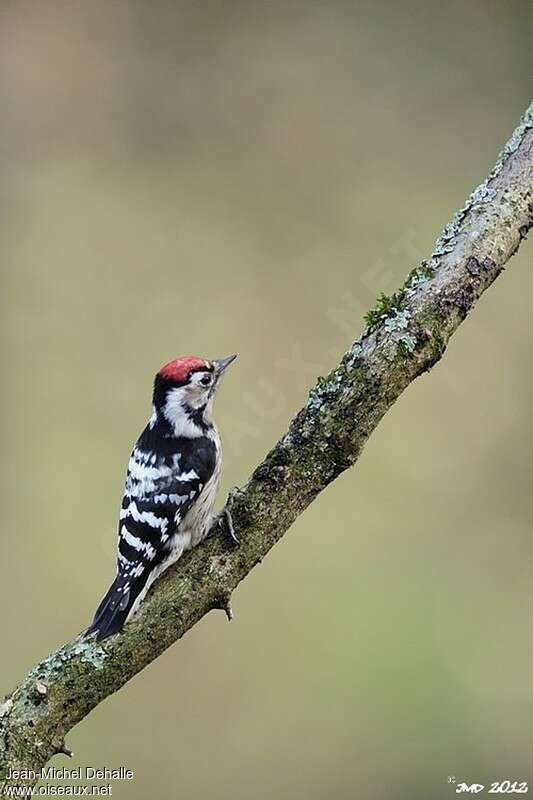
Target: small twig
{"type": "Point", "coordinates": [224, 603]}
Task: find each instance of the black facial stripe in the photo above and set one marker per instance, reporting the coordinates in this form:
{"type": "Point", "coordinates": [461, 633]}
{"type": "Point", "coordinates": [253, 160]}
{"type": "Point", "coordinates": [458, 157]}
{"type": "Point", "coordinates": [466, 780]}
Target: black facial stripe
{"type": "Point", "coordinates": [196, 415]}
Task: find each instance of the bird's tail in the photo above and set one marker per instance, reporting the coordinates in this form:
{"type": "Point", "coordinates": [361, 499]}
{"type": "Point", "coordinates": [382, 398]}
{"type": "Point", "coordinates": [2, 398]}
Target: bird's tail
{"type": "Point", "coordinates": [114, 609]}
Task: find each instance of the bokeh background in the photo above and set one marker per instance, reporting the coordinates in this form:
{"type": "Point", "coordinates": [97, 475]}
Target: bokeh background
{"type": "Point", "coordinates": [245, 176]}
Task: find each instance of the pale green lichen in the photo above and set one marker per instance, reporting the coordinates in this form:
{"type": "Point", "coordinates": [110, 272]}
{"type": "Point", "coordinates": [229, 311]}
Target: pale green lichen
{"type": "Point", "coordinates": [515, 141]}
{"type": "Point", "coordinates": [483, 193]}
{"type": "Point", "coordinates": [419, 276]}
{"type": "Point", "coordinates": [414, 284]}
{"type": "Point", "coordinates": [397, 325]}
{"type": "Point", "coordinates": [398, 321]}
{"type": "Point", "coordinates": [447, 241]}
{"type": "Point", "coordinates": [324, 388]}
{"type": "Point", "coordinates": [407, 344]}
{"type": "Point", "coordinates": [352, 359]}
{"type": "Point", "coordinates": [89, 652]}
{"type": "Point", "coordinates": [388, 308]}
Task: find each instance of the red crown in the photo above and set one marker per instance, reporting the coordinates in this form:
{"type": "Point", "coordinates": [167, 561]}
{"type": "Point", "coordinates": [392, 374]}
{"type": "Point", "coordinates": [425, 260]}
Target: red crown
{"type": "Point", "coordinates": [180, 368]}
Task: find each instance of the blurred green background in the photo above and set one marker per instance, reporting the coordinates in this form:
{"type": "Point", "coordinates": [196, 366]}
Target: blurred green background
{"type": "Point", "coordinates": [243, 176]}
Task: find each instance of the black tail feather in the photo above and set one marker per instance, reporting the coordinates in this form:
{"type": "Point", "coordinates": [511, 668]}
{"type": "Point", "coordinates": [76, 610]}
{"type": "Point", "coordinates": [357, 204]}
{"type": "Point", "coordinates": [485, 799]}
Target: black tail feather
{"type": "Point", "coordinates": [113, 611]}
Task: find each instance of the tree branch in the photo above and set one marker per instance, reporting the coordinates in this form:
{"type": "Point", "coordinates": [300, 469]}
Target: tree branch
{"type": "Point", "coordinates": [405, 335]}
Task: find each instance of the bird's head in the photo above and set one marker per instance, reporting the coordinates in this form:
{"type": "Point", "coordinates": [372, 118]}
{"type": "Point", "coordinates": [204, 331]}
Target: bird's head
{"type": "Point", "coordinates": [184, 390]}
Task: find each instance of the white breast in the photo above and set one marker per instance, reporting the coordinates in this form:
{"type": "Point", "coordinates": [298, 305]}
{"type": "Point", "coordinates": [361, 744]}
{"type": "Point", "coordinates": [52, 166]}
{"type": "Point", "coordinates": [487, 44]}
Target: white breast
{"type": "Point", "coordinates": [197, 522]}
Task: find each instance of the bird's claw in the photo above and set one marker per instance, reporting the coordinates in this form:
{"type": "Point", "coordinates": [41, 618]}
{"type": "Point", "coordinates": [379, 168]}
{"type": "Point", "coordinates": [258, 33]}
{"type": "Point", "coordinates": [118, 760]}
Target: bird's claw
{"type": "Point", "coordinates": [226, 515]}
{"type": "Point", "coordinates": [229, 526]}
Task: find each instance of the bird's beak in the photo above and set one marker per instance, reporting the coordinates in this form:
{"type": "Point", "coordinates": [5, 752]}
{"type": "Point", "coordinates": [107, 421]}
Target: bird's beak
{"type": "Point", "coordinates": [220, 364]}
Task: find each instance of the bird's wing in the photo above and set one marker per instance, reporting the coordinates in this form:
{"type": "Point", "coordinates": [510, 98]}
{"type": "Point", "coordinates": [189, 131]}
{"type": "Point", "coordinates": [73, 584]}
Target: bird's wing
{"type": "Point", "coordinates": [158, 494]}
{"type": "Point", "coordinates": [157, 498]}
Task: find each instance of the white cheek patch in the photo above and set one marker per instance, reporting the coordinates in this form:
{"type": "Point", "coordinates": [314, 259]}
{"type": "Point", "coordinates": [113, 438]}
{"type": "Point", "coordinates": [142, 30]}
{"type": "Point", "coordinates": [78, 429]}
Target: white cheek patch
{"type": "Point", "coordinates": [178, 405]}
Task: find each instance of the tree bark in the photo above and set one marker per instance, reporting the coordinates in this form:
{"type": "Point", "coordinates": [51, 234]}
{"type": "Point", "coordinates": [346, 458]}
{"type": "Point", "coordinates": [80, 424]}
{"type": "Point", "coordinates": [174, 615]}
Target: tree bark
{"type": "Point", "coordinates": [405, 335]}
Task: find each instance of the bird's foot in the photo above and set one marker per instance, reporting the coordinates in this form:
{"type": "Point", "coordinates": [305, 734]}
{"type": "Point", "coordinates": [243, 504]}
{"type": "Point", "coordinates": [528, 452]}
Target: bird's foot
{"type": "Point", "coordinates": [227, 517]}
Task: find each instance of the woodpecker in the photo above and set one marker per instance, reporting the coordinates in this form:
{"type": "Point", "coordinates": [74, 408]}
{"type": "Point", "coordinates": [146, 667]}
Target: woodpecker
{"type": "Point", "coordinates": [171, 484]}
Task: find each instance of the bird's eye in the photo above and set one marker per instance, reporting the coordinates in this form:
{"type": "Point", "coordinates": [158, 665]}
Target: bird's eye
{"type": "Point", "coordinates": [206, 380]}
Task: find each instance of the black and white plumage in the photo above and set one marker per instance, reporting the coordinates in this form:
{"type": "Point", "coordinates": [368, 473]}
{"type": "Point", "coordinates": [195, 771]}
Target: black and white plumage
{"type": "Point", "coordinates": [171, 484]}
